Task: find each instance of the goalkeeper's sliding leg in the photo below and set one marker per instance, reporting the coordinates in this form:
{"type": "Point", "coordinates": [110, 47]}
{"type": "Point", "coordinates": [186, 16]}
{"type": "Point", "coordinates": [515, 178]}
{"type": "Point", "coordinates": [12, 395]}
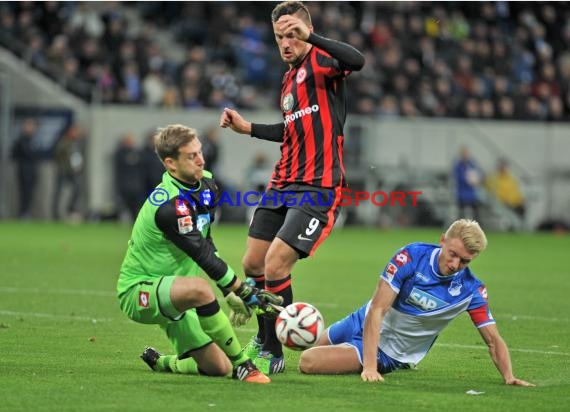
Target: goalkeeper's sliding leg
{"type": "Point", "coordinates": [200, 332]}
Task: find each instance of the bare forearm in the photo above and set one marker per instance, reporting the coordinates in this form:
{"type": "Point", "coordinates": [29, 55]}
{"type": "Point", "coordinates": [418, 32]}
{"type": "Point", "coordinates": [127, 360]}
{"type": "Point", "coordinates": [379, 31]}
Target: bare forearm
{"type": "Point", "coordinates": [371, 338]}
{"type": "Point", "coordinates": [500, 354]}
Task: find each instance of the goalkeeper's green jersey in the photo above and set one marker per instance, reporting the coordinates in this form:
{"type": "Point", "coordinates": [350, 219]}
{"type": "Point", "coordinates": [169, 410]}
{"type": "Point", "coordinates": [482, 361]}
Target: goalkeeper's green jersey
{"type": "Point", "coordinates": [172, 235]}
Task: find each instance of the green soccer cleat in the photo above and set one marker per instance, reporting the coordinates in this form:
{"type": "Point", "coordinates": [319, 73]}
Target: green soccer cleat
{"type": "Point", "coordinates": [253, 347]}
{"type": "Point", "coordinates": [269, 363]}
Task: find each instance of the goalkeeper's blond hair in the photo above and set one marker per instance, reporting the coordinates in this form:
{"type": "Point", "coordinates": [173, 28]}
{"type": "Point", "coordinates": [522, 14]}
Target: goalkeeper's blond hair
{"type": "Point", "coordinates": [470, 233]}
{"type": "Point", "coordinates": [168, 140]}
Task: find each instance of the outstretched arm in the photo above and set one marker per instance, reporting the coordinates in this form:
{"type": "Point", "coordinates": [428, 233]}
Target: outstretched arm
{"type": "Point", "coordinates": [381, 302]}
{"type": "Point", "coordinates": [500, 355]}
{"type": "Point", "coordinates": [232, 119]}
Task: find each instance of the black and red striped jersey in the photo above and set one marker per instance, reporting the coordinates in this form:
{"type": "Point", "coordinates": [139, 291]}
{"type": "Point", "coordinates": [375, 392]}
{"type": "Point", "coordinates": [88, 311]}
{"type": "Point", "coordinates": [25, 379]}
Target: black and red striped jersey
{"type": "Point", "coordinates": [313, 103]}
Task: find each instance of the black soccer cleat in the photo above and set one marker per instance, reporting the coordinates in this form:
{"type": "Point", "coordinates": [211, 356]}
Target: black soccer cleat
{"type": "Point", "coordinates": [150, 357]}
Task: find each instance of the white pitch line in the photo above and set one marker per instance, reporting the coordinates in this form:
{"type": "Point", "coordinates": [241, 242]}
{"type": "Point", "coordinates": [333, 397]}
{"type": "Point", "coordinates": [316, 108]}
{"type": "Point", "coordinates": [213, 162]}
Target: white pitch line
{"type": "Point", "coordinates": [460, 346]}
{"type": "Point", "coordinates": [540, 352]}
{"type": "Point", "coordinates": [330, 305]}
{"type": "Point", "coordinates": [251, 330]}
{"type": "Point", "coordinates": [88, 292]}
{"type": "Point", "coordinates": [52, 316]}
{"type": "Point", "coordinates": [531, 317]}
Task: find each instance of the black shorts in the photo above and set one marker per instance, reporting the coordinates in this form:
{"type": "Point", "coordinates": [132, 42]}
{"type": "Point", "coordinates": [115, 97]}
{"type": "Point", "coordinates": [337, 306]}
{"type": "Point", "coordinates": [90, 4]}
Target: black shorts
{"type": "Point", "coordinates": [300, 215]}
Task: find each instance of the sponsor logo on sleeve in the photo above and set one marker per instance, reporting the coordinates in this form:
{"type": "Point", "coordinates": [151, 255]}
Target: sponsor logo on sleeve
{"type": "Point", "coordinates": [202, 222]}
{"type": "Point", "coordinates": [402, 258]}
{"type": "Point", "coordinates": [391, 270]}
{"type": "Point", "coordinates": [483, 292]}
{"type": "Point", "coordinates": [185, 225]}
{"type": "Point", "coordinates": [182, 208]}
{"type": "Point", "coordinates": [143, 299]}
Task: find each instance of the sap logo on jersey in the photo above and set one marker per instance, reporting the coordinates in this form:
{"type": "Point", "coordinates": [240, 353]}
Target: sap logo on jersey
{"type": "Point", "coordinates": [425, 301]}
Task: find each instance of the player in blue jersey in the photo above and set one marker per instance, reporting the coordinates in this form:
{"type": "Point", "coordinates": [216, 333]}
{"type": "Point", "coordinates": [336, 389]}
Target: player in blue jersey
{"type": "Point", "coordinates": [422, 288]}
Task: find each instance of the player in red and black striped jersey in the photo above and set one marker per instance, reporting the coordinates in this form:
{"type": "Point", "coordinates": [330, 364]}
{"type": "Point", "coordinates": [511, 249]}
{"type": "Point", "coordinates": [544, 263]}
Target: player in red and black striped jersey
{"type": "Point", "coordinates": [302, 198]}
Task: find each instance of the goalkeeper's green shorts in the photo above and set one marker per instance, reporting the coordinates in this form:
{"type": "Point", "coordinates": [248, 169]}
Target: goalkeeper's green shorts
{"type": "Point", "coordinates": [149, 302]}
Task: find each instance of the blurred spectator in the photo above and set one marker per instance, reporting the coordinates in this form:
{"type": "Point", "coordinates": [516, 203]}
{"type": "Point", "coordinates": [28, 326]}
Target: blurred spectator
{"type": "Point", "coordinates": [535, 110]}
{"type": "Point", "coordinates": [211, 149]}
{"type": "Point", "coordinates": [258, 173]}
{"type": "Point", "coordinates": [128, 177]}
{"type": "Point", "coordinates": [487, 109]}
{"type": "Point", "coordinates": [468, 177]}
{"type": "Point", "coordinates": [472, 108]}
{"type": "Point", "coordinates": [505, 187]}
{"type": "Point", "coordinates": [506, 108]}
{"type": "Point", "coordinates": [69, 161]}
{"type": "Point", "coordinates": [460, 51]}
{"type": "Point", "coordinates": [151, 168]}
{"type": "Point", "coordinates": [389, 107]}
{"type": "Point", "coordinates": [154, 88]}
{"type": "Point", "coordinates": [256, 177]}
{"type": "Point", "coordinates": [86, 19]}
{"type": "Point", "coordinates": [556, 109]}
{"type": "Point", "coordinates": [26, 157]}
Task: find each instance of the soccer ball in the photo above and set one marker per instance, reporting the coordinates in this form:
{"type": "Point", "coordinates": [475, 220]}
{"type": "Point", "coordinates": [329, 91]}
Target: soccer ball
{"type": "Point", "coordinates": [299, 326]}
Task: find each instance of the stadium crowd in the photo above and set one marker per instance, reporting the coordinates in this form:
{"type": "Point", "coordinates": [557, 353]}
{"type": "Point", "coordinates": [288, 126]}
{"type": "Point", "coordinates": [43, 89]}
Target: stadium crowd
{"type": "Point", "coordinates": [499, 60]}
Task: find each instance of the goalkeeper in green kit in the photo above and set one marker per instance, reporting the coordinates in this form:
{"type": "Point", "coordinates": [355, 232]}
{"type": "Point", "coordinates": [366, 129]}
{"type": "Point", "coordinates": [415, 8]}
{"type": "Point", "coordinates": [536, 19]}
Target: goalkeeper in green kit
{"type": "Point", "coordinates": [158, 284]}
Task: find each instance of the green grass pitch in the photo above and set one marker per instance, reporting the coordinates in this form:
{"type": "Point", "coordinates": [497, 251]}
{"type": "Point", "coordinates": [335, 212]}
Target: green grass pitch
{"type": "Point", "coordinates": [65, 345]}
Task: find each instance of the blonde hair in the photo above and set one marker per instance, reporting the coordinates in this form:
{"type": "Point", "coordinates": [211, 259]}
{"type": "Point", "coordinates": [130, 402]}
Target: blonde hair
{"type": "Point", "coordinates": [168, 140]}
{"type": "Point", "coordinates": [470, 233]}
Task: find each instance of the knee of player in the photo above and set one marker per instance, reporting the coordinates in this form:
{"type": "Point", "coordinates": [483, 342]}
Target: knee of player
{"type": "Point", "coordinates": [222, 369]}
{"type": "Point", "coordinates": [308, 362]}
{"type": "Point", "coordinates": [275, 270]}
{"type": "Point", "coordinates": [251, 266]}
{"type": "Point", "coordinates": [218, 368]}
{"type": "Point", "coordinates": [197, 292]}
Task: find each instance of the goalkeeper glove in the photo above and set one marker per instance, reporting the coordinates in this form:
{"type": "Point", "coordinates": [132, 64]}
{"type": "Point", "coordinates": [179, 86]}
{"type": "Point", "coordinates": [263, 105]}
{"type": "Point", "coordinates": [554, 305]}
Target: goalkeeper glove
{"type": "Point", "coordinates": [247, 299]}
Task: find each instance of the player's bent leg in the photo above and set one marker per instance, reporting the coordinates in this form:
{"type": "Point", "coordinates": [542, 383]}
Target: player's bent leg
{"type": "Point", "coordinates": [279, 260]}
{"type": "Point", "coordinates": [324, 339]}
{"type": "Point", "coordinates": [330, 360]}
{"type": "Point", "coordinates": [278, 264]}
{"type": "Point", "coordinates": [212, 361]}
{"type": "Point", "coordinates": [253, 264]}
{"type": "Point", "coordinates": [254, 258]}
{"type": "Point", "coordinates": [266, 222]}
{"type": "Point", "coordinates": [209, 360]}
{"type": "Point", "coordinates": [190, 292]}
